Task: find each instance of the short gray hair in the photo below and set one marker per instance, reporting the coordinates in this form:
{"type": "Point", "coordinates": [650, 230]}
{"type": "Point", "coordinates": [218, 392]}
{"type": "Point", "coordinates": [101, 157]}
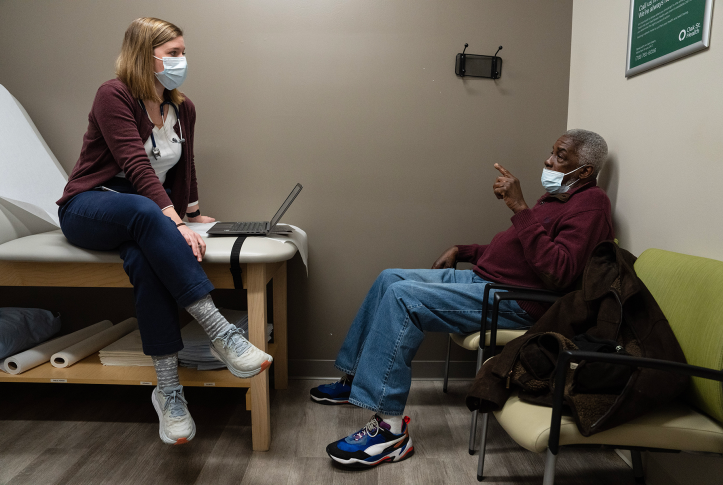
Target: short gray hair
{"type": "Point", "coordinates": [591, 148]}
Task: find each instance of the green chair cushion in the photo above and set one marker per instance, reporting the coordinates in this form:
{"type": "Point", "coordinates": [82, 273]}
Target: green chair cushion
{"type": "Point", "coordinates": [689, 290]}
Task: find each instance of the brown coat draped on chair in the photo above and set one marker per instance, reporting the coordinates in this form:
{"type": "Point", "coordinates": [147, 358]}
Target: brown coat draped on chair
{"type": "Point", "coordinates": [613, 305]}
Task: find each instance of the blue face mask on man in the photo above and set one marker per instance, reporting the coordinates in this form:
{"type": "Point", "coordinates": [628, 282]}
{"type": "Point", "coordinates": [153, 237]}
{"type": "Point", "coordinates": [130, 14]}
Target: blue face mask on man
{"type": "Point", "coordinates": [552, 181]}
{"type": "Point", "coordinates": [173, 73]}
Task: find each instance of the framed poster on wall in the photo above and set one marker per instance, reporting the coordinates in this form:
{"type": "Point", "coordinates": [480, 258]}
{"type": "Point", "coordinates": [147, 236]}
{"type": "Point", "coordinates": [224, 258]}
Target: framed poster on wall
{"type": "Point", "coordinates": [663, 30]}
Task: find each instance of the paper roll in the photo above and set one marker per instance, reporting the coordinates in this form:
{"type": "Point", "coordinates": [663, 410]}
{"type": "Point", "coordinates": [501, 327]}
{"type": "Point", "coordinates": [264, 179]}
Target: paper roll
{"type": "Point", "coordinates": [24, 361]}
{"type": "Point", "coordinates": [91, 345]}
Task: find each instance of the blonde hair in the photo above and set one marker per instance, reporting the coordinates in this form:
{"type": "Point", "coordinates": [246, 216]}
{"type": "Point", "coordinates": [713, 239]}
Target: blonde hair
{"type": "Point", "coordinates": [135, 62]}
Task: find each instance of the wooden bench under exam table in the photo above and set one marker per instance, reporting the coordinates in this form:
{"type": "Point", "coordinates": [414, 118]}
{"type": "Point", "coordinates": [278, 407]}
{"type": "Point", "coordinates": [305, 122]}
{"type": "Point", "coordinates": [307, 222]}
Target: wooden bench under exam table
{"type": "Point", "coordinates": [48, 259]}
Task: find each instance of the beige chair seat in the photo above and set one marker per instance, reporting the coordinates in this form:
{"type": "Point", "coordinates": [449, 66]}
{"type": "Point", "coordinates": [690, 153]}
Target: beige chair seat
{"type": "Point", "coordinates": [53, 247]}
{"type": "Point", "coordinates": [677, 426]}
{"type": "Point", "coordinates": [471, 341]}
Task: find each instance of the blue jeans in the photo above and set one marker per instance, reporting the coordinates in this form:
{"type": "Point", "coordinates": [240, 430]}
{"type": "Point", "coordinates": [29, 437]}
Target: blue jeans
{"type": "Point", "coordinates": [389, 328]}
{"type": "Point", "coordinates": [160, 264]}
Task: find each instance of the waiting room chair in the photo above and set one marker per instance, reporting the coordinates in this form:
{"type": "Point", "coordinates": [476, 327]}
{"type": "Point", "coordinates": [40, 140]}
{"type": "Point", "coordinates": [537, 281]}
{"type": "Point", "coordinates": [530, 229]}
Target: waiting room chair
{"type": "Point", "coordinates": [493, 336]}
{"type": "Point", "coordinates": [688, 290]}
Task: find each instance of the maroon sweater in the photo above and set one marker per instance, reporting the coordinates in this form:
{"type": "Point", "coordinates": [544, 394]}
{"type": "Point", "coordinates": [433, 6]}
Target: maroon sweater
{"type": "Point", "coordinates": [548, 244]}
{"type": "Point", "coordinates": [117, 129]}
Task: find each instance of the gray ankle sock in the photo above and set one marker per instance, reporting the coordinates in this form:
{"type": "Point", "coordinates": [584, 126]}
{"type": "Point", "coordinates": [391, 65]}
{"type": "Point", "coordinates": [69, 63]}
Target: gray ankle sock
{"type": "Point", "coordinates": [208, 316]}
{"type": "Point", "coordinates": [166, 370]}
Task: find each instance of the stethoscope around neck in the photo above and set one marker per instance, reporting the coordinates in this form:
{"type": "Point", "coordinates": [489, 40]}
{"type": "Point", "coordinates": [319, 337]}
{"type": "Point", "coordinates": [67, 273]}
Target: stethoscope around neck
{"type": "Point", "coordinates": [156, 152]}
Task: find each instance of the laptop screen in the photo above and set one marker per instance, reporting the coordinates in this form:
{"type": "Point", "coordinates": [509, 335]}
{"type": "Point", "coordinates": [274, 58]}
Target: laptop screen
{"type": "Point", "coordinates": [285, 206]}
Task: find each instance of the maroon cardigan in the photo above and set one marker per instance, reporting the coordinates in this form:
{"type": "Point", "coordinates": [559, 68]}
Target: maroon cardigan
{"type": "Point", "coordinates": [548, 244]}
{"type": "Point", "coordinates": [117, 129]}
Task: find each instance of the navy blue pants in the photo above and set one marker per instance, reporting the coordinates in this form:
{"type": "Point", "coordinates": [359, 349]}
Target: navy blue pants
{"type": "Point", "coordinates": [160, 264]}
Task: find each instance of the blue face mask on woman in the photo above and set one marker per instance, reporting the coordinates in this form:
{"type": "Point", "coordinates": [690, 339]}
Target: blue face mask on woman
{"type": "Point", "coordinates": [173, 73]}
{"type": "Point", "coordinates": [552, 181]}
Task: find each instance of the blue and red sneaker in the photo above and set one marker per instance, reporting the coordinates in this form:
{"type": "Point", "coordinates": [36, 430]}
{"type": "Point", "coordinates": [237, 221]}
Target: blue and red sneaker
{"type": "Point", "coordinates": [335, 393]}
{"type": "Point", "coordinates": [372, 445]}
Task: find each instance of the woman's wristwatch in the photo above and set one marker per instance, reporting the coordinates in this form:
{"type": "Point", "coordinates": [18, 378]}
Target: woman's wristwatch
{"type": "Point", "coordinates": [193, 214]}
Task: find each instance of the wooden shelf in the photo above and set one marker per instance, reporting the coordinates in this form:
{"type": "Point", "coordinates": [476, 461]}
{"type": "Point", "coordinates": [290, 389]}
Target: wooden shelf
{"type": "Point", "coordinates": [257, 275]}
{"type": "Point", "coordinates": [91, 371]}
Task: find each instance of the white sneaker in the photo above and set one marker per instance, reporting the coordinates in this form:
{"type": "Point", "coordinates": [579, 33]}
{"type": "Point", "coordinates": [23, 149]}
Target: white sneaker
{"type": "Point", "coordinates": [241, 357]}
{"type": "Point", "coordinates": [176, 424]}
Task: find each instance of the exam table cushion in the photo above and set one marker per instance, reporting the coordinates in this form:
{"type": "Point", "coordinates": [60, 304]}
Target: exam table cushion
{"type": "Point", "coordinates": [53, 247]}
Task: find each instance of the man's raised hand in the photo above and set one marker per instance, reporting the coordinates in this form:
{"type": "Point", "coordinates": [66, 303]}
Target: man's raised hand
{"type": "Point", "coordinates": [507, 188]}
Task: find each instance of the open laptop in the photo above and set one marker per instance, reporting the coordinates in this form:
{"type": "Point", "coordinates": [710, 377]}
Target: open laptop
{"type": "Point", "coordinates": [257, 228]}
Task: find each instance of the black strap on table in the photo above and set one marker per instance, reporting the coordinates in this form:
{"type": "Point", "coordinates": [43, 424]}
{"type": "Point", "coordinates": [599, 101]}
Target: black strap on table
{"type": "Point", "coordinates": [235, 266]}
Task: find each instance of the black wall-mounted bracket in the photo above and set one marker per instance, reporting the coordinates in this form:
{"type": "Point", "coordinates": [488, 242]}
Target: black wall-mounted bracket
{"type": "Point", "coordinates": [474, 65]}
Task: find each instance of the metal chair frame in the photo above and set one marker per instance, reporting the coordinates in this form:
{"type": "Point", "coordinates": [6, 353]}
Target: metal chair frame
{"type": "Point", "coordinates": [511, 293]}
{"type": "Point", "coordinates": [564, 360]}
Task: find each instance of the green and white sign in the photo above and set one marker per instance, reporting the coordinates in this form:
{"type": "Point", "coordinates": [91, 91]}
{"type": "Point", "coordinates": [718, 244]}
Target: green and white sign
{"type": "Point", "coordinates": [663, 30]}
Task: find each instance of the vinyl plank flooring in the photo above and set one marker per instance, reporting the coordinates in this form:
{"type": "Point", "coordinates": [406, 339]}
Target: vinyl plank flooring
{"type": "Point", "coordinates": [456, 413]}
{"type": "Point", "coordinates": [311, 470]}
{"type": "Point", "coordinates": [295, 429]}
{"type": "Point", "coordinates": [411, 472]}
{"type": "Point", "coordinates": [99, 466]}
{"type": "Point", "coordinates": [82, 435]}
{"type": "Point", "coordinates": [268, 467]}
{"type": "Point", "coordinates": [343, 476]}
{"type": "Point", "coordinates": [27, 445]}
{"type": "Point", "coordinates": [430, 431]}
{"type": "Point", "coordinates": [229, 458]}
{"type": "Point", "coordinates": [48, 467]}
{"type": "Point", "coordinates": [87, 434]}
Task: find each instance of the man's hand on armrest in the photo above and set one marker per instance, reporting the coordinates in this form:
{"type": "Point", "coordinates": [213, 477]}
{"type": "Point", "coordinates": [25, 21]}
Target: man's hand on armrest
{"type": "Point", "coordinates": [447, 260]}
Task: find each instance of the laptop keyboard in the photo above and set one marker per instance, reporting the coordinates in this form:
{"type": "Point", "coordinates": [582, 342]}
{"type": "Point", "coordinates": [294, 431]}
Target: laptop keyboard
{"type": "Point", "coordinates": [249, 227]}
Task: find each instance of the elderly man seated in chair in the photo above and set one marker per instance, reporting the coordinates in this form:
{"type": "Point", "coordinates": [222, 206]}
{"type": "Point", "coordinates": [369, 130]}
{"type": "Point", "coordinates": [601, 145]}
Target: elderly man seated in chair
{"type": "Point", "coordinates": [547, 246]}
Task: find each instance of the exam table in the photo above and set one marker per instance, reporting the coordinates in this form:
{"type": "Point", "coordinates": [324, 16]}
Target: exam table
{"type": "Point", "coordinates": [34, 253]}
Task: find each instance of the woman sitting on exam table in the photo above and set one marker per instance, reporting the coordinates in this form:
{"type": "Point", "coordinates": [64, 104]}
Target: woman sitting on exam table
{"type": "Point", "coordinates": [132, 185]}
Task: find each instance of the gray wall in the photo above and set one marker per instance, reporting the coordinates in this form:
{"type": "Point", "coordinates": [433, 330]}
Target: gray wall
{"type": "Point", "coordinates": [355, 99]}
{"type": "Point", "coordinates": [663, 128]}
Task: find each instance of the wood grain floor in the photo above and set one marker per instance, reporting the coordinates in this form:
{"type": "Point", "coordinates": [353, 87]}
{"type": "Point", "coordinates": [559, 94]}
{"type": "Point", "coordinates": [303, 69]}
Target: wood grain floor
{"type": "Point", "coordinates": [88, 434]}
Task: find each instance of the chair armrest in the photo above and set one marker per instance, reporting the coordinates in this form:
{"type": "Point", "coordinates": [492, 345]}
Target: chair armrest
{"type": "Point", "coordinates": [566, 356]}
{"type": "Point", "coordinates": [502, 286]}
{"type": "Point", "coordinates": [530, 294]}
{"type": "Point", "coordinates": [512, 293]}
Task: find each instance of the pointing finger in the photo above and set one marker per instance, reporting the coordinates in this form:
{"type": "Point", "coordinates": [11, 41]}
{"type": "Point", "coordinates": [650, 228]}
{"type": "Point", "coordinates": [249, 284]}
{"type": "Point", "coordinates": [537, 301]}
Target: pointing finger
{"type": "Point", "coordinates": [503, 170]}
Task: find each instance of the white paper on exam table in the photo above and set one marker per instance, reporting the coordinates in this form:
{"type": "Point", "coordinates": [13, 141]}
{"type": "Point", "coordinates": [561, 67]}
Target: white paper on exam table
{"type": "Point", "coordinates": [127, 351]}
{"type": "Point", "coordinates": [91, 345]}
{"type": "Point", "coordinates": [297, 238]}
{"type": "Point", "coordinates": [32, 179]}
{"type": "Point", "coordinates": [40, 354]}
